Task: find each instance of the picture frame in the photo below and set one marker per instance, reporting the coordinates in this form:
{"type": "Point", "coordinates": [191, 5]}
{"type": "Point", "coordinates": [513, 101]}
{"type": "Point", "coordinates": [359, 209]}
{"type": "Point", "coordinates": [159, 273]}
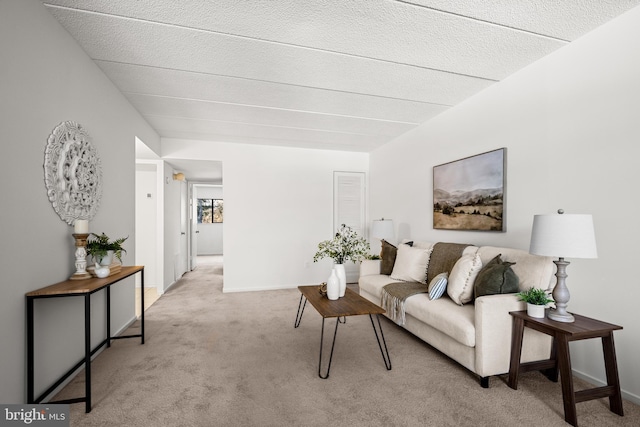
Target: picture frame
{"type": "Point", "coordinates": [469, 193]}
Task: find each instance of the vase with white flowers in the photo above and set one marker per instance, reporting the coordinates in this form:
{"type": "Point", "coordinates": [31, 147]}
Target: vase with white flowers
{"type": "Point", "coordinates": [345, 246]}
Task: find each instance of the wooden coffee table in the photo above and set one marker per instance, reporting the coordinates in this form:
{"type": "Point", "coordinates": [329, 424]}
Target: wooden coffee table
{"type": "Point", "coordinates": [352, 304]}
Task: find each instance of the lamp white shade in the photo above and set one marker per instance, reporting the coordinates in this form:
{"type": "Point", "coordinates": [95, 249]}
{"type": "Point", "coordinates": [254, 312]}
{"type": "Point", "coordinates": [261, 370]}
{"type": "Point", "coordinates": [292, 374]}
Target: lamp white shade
{"type": "Point", "coordinates": [563, 236]}
{"type": "Point", "coordinates": [382, 229]}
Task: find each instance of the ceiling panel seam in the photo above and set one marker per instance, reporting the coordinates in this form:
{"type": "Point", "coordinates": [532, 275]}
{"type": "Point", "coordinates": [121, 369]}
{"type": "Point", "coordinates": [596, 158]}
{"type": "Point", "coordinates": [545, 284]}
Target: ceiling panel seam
{"type": "Point", "coordinates": [279, 43]}
{"type": "Point", "coordinates": [261, 125]}
{"type": "Point", "coordinates": [275, 82]}
{"type": "Point", "coordinates": [266, 107]}
{"type": "Point", "coordinates": [484, 21]}
{"type": "Point", "coordinates": [220, 138]}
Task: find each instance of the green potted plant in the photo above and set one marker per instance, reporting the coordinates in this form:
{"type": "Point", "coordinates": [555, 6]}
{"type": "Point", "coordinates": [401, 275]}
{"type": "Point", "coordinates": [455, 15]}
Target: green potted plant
{"type": "Point", "coordinates": [103, 250]}
{"type": "Point", "coordinates": [537, 300]}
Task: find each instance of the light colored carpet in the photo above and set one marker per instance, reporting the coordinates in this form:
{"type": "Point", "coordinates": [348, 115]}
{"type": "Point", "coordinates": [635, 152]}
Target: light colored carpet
{"type": "Point", "coordinates": [214, 359]}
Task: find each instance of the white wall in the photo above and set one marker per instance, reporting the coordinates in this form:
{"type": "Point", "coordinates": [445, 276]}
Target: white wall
{"type": "Point", "coordinates": [210, 237]}
{"type": "Point", "coordinates": [278, 205]}
{"type": "Point", "coordinates": [45, 79]}
{"type": "Point", "coordinates": [147, 218]}
{"type": "Point", "coordinates": [570, 124]}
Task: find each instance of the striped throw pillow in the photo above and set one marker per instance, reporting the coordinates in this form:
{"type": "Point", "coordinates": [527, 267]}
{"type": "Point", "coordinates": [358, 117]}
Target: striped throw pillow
{"type": "Point", "coordinates": [438, 286]}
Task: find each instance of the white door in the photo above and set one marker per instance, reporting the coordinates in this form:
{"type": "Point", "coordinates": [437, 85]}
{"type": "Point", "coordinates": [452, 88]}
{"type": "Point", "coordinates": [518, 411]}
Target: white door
{"type": "Point", "coordinates": [184, 228]}
{"type": "Point", "coordinates": [349, 193]}
{"type": "Point", "coordinates": [193, 226]}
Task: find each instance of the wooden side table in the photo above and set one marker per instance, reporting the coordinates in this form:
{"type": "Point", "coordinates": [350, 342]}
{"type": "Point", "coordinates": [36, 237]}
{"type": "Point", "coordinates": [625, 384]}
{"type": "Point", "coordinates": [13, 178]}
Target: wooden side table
{"type": "Point", "coordinates": [563, 333]}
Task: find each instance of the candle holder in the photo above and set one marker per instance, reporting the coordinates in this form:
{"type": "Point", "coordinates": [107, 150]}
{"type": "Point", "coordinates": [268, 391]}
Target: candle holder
{"type": "Point", "coordinates": [81, 257]}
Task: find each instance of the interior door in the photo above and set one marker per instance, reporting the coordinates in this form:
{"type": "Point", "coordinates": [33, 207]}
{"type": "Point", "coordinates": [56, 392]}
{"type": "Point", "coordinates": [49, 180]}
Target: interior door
{"type": "Point", "coordinates": [349, 192]}
{"type": "Point", "coordinates": [184, 249]}
{"type": "Point", "coordinates": [193, 226]}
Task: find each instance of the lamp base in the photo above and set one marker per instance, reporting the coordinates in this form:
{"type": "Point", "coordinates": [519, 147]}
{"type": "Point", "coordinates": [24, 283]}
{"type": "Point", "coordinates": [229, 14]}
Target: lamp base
{"type": "Point", "coordinates": [561, 294]}
{"type": "Point", "coordinates": [560, 317]}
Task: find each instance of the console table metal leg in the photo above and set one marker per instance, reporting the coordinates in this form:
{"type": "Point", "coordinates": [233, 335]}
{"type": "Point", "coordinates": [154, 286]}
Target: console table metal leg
{"type": "Point", "coordinates": [385, 353]}
{"type": "Point", "coordinates": [142, 306]}
{"type": "Point", "coordinates": [108, 298]}
{"type": "Point", "coordinates": [87, 351]}
{"type": "Point", "coordinates": [300, 312]}
{"type": "Point", "coordinates": [333, 344]}
{"type": "Point", "coordinates": [30, 353]}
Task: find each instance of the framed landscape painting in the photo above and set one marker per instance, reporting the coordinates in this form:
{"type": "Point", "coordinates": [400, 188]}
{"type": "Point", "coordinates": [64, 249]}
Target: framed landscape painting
{"type": "Point", "coordinates": [469, 194]}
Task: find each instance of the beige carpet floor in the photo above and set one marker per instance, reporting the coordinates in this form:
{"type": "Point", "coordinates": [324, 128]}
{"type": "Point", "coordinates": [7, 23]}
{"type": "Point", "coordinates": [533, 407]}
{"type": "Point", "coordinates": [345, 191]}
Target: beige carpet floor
{"type": "Point", "coordinates": [235, 359]}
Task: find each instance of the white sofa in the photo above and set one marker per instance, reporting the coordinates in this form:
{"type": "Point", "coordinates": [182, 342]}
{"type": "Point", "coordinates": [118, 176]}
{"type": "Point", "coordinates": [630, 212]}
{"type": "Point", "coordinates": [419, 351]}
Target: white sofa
{"type": "Point", "coordinates": [477, 334]}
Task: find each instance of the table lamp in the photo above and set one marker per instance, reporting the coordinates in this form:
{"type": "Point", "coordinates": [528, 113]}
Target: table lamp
{"type": "Point", "coordinates": [382, 229]}
{"type": "Point", "coordinates": [561, 235]}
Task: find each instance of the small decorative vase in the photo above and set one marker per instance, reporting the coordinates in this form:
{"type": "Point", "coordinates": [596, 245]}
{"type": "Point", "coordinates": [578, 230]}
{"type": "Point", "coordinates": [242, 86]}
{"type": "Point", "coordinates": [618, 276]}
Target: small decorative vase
{"type": "Point", "coordinates": [102, 271]}
{"type": "Point", "coordinates": [342, 277]}
{"type": "Point", "coordinates": [106, 260]}
{"type": "Point", "coordinates": [102, 265]}
{"type": "Point", "coordinates": [333, 286]}
{"type": "Point", "coordinates": [536, 311]}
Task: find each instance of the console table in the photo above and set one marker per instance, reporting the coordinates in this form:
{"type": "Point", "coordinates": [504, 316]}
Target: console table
{"type": "Point", "coordinates": [83, 288]}
{"type": "Point", "coordinates": [563, 333]}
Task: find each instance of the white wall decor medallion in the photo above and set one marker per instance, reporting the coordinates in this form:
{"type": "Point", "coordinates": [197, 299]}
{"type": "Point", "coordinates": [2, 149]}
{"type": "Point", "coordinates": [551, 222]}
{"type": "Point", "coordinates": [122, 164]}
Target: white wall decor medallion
{"type": "Point", "coordinates": [72, 173]}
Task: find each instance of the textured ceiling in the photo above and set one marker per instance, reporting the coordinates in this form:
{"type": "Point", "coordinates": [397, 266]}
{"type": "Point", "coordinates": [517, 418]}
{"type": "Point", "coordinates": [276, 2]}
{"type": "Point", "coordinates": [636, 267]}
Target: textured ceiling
{"type": "Point", "coordinates": [328, 74]}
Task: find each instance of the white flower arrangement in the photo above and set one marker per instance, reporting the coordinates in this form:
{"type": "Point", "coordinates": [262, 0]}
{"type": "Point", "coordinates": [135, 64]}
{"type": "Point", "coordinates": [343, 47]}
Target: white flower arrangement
{"type": "Point", "coordinates": [345, 246]}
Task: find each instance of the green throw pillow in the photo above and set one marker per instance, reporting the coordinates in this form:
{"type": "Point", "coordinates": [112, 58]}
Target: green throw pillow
{"type": "Point", "coordinates": [496, 277]}
{"type": "Point", "coordinates": [388, 255]}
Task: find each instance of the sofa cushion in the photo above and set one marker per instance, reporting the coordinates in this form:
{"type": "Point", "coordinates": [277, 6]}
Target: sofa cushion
{"type": "Point", "coordinates": [496, 277]}
{"type": "Point", "coordinates": [463, 274]}
{"type": "Point", "coordinates": [388, 255]}
{"type": "Point", "coordinates": [438, 286]}
{"type": "Point", "coordinates": [451, 319]}
{"type": "Point", "coordinates": [373, 285]}
{"type": "Point", "coordinates": [411, 264]}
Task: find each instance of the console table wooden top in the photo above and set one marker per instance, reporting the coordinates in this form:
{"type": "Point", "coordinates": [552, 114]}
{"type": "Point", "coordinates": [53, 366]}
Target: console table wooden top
{"type": "Point", "coordinates": [87, 286]}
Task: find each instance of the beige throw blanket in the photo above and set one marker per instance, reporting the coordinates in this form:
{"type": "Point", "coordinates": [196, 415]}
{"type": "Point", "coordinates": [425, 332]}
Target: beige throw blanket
{"type": "Point", "coordinates": [394, 296]}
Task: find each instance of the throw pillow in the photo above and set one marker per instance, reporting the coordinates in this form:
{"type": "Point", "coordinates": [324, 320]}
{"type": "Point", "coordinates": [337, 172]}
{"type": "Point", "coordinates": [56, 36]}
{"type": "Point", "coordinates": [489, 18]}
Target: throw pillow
{"type": "Point", "coordinates": [438, 285]}
{"type": "Point", "coordinates": [388, 256]}
{"type": "Point", "coordinates": [411, 264]}
{"type": "Point", "coordinates": [496, 277]}
{"type": "Point", "coordinates": [463, 274]}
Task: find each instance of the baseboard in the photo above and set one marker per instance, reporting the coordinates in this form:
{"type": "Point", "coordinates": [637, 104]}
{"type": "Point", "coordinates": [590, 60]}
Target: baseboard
{"type": "Point", "coordinates": [80, 369]}
{"type": "Point", "coordinates": [597, 382]}
{"type": "Point", "coordinates": [169, 287]}
{"type": "Point", "coordinates": [263, 288]}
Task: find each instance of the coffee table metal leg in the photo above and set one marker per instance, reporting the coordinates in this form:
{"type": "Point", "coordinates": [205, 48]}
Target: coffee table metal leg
{"type": "Point", "coordinates": [385, 353]}
{"type": "Point", "coordinates": [333, 344]}
{"type": "Point", "coordinates": [300, 312]}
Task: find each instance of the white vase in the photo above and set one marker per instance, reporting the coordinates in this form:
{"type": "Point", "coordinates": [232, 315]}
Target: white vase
{"type": "Point", "coordinates": [536, 311]}
{"type": "Point", "coordinates": [333, 286]}
{"type": "Point", "coordinates": [342, 277]}
{"type": "Point", "coordinates": [105, 260]}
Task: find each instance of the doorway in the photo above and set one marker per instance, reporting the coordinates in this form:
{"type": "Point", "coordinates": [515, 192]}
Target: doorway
{"type": "Point", "coordinates": [207, 225]}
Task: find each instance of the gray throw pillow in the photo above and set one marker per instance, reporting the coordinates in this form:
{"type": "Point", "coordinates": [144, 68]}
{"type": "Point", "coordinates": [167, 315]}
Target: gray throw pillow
{"type": "Point", "coordinates": [496, 277]}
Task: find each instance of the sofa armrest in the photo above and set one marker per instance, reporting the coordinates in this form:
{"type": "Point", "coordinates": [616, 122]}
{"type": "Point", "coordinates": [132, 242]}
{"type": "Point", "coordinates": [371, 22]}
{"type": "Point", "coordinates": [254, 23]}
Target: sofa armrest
{"type": "Point", "coordinates": [369, 267]}
{"type": "Point", "coordinates": [493, 335]}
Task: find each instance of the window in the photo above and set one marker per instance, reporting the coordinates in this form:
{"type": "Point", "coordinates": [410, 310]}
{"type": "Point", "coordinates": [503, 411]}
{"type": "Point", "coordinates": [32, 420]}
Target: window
{"type": "Point", "coordinates": [210, 211]}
